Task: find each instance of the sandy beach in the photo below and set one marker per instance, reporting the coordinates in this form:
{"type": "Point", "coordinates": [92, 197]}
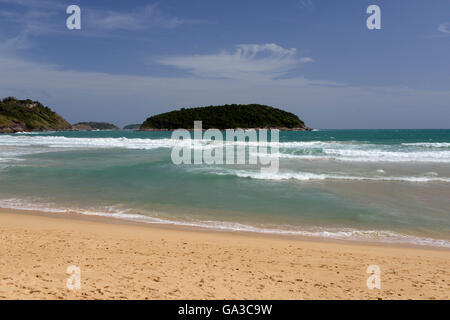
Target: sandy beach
{"type": "Point", "coordinates": [120, 260]}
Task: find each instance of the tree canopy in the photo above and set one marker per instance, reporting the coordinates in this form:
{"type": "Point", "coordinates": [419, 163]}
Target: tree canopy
{"type": "Point", "coordinates": [228, 116]}
{"type": "Point", "coordinates": [28, 115]}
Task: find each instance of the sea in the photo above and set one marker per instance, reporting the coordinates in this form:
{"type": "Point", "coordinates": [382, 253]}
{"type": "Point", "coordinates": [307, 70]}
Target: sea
{"type": "Point", "coordinates": [383, 186]}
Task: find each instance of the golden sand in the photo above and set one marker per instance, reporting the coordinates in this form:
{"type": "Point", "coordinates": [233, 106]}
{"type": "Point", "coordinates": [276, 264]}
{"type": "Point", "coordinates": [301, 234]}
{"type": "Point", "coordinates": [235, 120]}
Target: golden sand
{"type": "Point", "coordinates": [131, 261]}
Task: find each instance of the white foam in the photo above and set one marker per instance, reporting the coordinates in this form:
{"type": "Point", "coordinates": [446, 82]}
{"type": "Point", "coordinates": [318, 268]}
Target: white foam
{"type": "Point", "coordinates": [349, 151]}
{"type": "Point", "coordinates": [429, 144]}
{"type": "Point", "coordinates": [33, 132]}
{"type": "Point", "coordinates": [308, 176]}
{"type": "Point", "coordinates": [318, 232]}
{"type": "Point", "coordinates": [377, 155]}
{"type": "Point", "coordinates": [368, 156]}
{"type": "Point", "coordinates": [65, 142]}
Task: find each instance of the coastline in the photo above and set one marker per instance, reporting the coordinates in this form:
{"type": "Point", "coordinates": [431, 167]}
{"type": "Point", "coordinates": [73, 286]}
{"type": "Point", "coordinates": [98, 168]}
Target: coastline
{"type": "Point", "coordinates": [131, 260]}
{"type": "Point", "coordinates": [199, 227]}
{"type": "Point", "coordinates": [306, 128]}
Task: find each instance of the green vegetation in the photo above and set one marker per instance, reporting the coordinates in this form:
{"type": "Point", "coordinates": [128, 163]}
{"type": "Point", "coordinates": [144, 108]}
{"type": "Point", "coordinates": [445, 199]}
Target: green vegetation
{"type": "Point", "coordinates": [28, 115]}
{"type": "Point", "coordinates": [88, 126]}
{"type": "Point", "coordinates": [226, 117]}
{"type": "Point", "coordinates": [132, 126]}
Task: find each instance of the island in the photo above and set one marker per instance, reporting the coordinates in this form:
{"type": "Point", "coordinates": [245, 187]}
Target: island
{"type": "Point", "coordinates": [28, 115]}
{"type": "Point", "coordinates": [230, 116]}
{"type": "Point", "coordinates": [132, 126]}
{"type": "Point", "coordinates": [93, 126]}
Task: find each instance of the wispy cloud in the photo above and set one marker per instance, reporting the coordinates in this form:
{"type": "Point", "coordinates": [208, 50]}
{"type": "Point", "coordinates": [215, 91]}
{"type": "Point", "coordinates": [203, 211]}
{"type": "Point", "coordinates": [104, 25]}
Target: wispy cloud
{"type": "Point", "coordinates": [247, 62]}
{"type": "Point", "coordinates": [444, 27]}
{"type": "Point", "coordinates": [109, 97]}
{"type": "Point", "coordinates": [47, 4]}
{"type": "Point", "coordinates": [33, 18]}
{"type": "Point", "coordinates": [28, 23]}
{"type": "Point", "coordinates": [306, 4]}
{"type": "Point", "coordinates": [141, 18]}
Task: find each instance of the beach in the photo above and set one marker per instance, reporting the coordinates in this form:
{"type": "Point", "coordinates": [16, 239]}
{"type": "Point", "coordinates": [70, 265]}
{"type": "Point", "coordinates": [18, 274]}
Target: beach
{"type": "Point", "coordinates": [170, 150]}
{"type": "Point", "coordinates": [128, 260]}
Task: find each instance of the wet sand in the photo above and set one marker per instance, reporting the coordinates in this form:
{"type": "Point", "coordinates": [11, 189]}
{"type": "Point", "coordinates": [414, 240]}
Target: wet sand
{"type": "Point", "coordinates": [120, 260]}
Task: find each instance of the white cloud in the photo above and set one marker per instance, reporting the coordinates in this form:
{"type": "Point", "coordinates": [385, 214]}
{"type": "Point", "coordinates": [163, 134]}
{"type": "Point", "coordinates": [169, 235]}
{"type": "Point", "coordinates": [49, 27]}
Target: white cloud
{"type": "Point", "coordinates": [32, 18]}
{"type": "Point", "coordinates": [31, 22]}
{"type": "Point", "coordinates": [306, 4]}
{"type": "Point", "coordinates": [123, 99]}
{"type": "Point", "coordinates": [306, 59]}
{"type": "Point", "coordinates": [47, 4]}
{"type": "Point", "coordinates": [248, 61]}
{"type": "Point", "coordinates": [444, 27]}
{"type": "Point", "coordinates": [139, 19]}
{"type": "Point", "coordinates": [250, 73]}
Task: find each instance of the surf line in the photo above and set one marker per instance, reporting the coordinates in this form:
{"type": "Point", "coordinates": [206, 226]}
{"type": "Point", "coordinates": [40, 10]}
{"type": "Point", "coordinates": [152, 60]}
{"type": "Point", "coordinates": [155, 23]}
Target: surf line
{"type": "Point", "coordinates": [208, 147]}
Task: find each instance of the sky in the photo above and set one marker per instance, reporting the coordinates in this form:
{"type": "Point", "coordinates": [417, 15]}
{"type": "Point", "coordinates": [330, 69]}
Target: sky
{"type": "Point", "coordinates": [315, 58]}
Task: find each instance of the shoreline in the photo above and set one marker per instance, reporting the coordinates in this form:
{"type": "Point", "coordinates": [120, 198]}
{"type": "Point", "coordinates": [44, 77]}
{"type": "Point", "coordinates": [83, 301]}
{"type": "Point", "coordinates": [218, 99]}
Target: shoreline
{"type": "Point", "coordinates": [131, 260]}
{"type": "Point", "coordinates": [70, 214]}
{"type": "Point", "coordinates": [307, 129]}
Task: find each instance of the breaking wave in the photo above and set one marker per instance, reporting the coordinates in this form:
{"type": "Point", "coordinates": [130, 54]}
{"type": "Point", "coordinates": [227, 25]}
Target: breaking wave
{"type": "Point", "coordinates": [347, 151]}
{"type": "Point", "coordinates": [384, 236]}
{"type": "Point", "coordinates": [308, 176]}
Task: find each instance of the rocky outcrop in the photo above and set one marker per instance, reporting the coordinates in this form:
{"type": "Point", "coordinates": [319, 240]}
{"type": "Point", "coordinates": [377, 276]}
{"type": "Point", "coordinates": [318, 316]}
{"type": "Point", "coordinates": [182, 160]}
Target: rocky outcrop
{"type": "Point", "coordinates": [93, 126]}
{"type": "Point", "coordinates": [28, 115]}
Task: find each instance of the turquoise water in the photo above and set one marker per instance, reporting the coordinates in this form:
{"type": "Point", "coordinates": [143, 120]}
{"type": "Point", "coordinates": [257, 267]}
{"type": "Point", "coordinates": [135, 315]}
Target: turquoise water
{"type": "Point", "coordinates": [374, 185]}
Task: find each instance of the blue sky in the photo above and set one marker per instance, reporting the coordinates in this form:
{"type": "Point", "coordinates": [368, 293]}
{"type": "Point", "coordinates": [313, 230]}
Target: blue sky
{"type": "Point", "coordinates": [316, 58]}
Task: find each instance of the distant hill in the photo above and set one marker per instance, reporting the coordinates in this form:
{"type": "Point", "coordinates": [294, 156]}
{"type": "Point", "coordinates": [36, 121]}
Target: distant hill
{"type": "Point", "coordinates": [89, 126]}
{"type": "Point", "coordinates": [132, 126]}
{"type": "Point", "coordinates": [28, 115]}
{"type": "Point", "coordinates": [226, 117]}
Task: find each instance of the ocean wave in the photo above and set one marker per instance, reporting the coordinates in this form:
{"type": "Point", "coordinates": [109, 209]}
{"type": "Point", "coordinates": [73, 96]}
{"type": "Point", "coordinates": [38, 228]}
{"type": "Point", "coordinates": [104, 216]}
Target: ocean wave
{"type": "Point", "coordinates": [363, 156]}
{"type": "Point", "coordinates": [429, 144]}
{"type": "Point", "coordinates": [308, 176]}
{"type": "Point", "coordinates": [138, 143]}
{"type": "Point", "coordinates": [384, 236]}
{"type": "Point", "coordinates": [347, 151]}
{"type": "Point", "coordinates": [33, 132]}
{"type": "Point", "coordinates": [66, 142]}
{"type": "Point", "coordinates": [122, 142]}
